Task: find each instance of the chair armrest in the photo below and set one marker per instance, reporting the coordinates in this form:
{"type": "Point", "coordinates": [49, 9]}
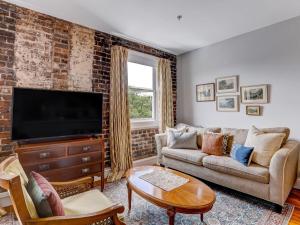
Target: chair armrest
{"type": "Point", "coordinates": [91, 218]}
{"type": "Point", "coordinates": [283, 172]}
{"type": "Point", "coordinates": [66, 189]}
{"type": "Point", "coordinates": [161, 141]}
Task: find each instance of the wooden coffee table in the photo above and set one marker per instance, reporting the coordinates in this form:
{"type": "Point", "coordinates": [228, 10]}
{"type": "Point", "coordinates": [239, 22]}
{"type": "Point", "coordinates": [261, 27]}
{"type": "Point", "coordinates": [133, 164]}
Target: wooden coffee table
{"type": "Point", "coordinates": [193, 197]}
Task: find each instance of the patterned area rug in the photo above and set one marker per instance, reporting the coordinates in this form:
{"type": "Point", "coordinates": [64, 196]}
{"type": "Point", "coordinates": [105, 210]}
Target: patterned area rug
{"type": "Point", "coordinates": [231, 208]}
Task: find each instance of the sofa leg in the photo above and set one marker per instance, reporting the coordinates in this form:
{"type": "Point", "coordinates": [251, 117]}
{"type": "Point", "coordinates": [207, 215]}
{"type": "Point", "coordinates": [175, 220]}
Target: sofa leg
{"type": "Point", "coordinates": [277, 208]}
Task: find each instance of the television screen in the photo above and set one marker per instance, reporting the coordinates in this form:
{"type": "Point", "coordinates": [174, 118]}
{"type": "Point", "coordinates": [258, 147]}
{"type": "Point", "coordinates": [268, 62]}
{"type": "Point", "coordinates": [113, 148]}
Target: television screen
{"type": "Point", "coordinates": [44, 114]}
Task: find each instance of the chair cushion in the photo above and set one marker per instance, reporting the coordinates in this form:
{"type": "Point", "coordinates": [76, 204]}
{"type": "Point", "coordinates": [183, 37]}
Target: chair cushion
{"type": "Point", "coordinates": [16, 169]}
{"type": "Point", "coordinates": [86, 202]}
{"type": "Point", "coordinates": [190, 156]}
{"type": "Point", "coordinates": [225, 164]}
{"type": "Point", "coordinates": [44, 196]}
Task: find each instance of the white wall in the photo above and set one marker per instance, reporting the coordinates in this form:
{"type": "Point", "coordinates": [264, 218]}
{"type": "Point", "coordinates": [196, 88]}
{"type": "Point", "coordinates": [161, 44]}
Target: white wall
{"type": "Point", "coordinates": [267, 56]}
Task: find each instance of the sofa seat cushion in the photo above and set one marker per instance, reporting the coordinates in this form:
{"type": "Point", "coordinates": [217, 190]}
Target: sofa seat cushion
{"type": "Point", "coordinates": [225, 164]}
{"type": "Point", "coordinates": [87, 202]}
{"type": "Point", "coordinates": [190, 156]}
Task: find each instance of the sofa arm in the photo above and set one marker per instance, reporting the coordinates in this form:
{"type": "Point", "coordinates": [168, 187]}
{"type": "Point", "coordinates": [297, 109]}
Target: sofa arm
{"type": "Point", "coordinates": [161, 141]}
{"type": "Point", "coordinates": [283, 172]}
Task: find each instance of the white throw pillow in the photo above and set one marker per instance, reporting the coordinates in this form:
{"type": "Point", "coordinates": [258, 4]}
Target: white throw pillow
{"type": "Point", "coordinates": [265, 145]}
{"type": "Point", "coordinates": [185, 140]}
{"type": "Point", "coordinates": [182, 129]}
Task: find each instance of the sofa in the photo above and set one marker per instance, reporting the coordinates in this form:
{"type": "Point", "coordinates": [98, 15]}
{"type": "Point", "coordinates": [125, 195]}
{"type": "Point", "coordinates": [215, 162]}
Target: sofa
{"type": "Point", "coordinates": [272, 184]}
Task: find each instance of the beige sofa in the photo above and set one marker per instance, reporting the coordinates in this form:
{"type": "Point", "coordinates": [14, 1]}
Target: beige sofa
{"type": "Point", "coordinates": [272, 184]}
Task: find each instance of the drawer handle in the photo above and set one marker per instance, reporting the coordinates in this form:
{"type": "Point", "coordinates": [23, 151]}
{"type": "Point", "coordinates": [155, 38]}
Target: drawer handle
{"type": "Point", "coordinates": [86, 159]}
{"type": "Point", "coordinates": [44, 155]}
{"type": "Point", "coordinates": [85, 170]}
{"type": "Point", "coordinates": [86, 148]}
{"type": "Point", "coordinates": [43, 167]}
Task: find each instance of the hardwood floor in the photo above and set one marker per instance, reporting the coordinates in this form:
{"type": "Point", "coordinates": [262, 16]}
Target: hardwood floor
{"type": "Point", "coordinates": [294, 199]}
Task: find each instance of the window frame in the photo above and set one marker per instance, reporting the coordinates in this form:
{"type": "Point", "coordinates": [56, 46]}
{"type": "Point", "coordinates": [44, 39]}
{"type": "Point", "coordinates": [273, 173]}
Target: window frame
{"type": "Point", "coordinates": [147, 60]}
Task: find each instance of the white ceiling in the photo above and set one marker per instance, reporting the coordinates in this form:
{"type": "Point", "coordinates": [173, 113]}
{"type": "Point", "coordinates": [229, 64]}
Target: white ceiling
{"type": "Point", "coordinates": [154, 22]}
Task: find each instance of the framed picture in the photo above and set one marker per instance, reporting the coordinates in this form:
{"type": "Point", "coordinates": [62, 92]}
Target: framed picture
{"type": "Point", "coordinates": [205, 92]}
{"type": "Point", "coordinates": [228, 103]}
{"type": "Point", "coordinates": [227, 84]}
{"type": "Point", "coordinates": [253, 110]}
{"type": "Point", "coordinates": [257, 94]}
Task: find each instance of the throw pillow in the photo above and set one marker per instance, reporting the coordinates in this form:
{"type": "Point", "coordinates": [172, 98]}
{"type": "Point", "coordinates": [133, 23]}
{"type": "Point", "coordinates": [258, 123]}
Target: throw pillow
{"type": "Point", "coordinates": [213, 144]}
{"type": "Point", "coordinates": [201, 131]}
{"type": "Point", "coordinates": [44, 196]}
{"type": "Point", "coordinates": [227, 144]}
{"type": "Point", "coordinates": [186, 140]}
{"type": "Point", "coordinates": [180, 130]}
{"type": "Point", "coordinates": [242, 154]}
{"type": "Point", "coordinates": [265, 145]}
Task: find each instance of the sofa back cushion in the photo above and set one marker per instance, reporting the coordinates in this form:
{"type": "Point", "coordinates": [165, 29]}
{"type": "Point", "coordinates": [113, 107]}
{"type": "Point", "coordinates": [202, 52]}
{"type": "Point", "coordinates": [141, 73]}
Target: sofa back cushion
{"type": "Point", "coordinates": [213, 144]}
{"type": "Point", "coordinates": [239, 135]}
{"type": "Point", "coordinates": [284, 130]}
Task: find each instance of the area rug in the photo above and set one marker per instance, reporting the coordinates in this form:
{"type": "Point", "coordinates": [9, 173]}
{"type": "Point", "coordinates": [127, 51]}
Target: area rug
{"type": "Point", "coordinates": [231, 208]}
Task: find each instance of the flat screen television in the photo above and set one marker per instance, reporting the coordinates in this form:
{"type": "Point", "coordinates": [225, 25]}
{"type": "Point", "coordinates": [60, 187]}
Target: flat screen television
{"type": "Point", "coordinates": [45, 114]}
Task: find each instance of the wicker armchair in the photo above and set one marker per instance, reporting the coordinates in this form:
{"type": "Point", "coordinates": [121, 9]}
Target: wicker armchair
{"type": "Point", "coordinates": [14, 180]}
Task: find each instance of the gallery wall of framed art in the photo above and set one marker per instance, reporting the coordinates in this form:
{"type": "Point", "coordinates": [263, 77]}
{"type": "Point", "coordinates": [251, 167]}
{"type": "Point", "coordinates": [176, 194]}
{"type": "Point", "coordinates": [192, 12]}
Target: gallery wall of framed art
{"type": "Point", "coordinates": [228, 95]}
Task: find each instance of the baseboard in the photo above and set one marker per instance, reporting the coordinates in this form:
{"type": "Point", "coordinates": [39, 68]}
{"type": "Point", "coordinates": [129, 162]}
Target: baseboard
{"type": "Point", "coordinates": [150, 161]}
{"type": "Point", "coordinates": [4, 199]}
{"type": "Point", "coordinates": [297, 184]}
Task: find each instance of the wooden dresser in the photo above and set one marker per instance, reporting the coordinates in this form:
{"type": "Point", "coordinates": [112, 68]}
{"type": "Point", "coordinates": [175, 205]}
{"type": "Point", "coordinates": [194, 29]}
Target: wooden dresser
{"type": "Point", "coordinates": [64, 160]}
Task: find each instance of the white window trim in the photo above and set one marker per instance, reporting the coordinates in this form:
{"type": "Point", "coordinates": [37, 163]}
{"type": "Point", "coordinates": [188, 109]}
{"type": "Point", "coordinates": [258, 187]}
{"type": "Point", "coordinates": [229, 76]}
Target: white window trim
{"type": "Point", "coordinates": [148, 60]}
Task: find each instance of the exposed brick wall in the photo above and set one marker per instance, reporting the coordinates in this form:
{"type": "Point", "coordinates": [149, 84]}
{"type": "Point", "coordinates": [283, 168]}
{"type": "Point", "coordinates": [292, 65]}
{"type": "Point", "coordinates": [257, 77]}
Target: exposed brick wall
{"type": "Point", "coordinates": [143, 143]}
{"type": "Point", "coordinates": [81, 58]}
{"type": "Point", "coordinates": [7, 74]}
{"type": "Point", "coordinates": [40, 51]}
{"type": "Point", "coordinates": [60, 56]}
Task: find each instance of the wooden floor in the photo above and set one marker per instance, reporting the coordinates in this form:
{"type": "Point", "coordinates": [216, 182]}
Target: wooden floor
{"type": "Point", "coordinates": [294, 199]}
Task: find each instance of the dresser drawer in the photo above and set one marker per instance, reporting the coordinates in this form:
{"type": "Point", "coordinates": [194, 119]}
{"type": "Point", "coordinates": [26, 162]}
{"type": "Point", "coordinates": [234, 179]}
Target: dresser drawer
{"type": "Point", "coordinates": [65, 162]}
{"type": "Point", "coordinates": [45, 154]}
{"type": "Point", "coordinates": [72, 173]}
{"type": "Point", "coordinates": [79, 149]}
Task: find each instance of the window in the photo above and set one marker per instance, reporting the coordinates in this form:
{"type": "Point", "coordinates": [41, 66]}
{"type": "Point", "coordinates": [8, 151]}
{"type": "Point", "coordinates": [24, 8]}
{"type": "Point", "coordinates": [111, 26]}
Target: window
{"type": "Point", "coordinates": [141, 90]}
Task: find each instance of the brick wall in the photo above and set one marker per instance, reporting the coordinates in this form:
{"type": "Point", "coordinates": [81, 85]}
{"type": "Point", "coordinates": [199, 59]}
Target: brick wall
{"type": "Point", "coordinates": [40, 51]}
{"type": "Point", "coordinates": [143, 143]}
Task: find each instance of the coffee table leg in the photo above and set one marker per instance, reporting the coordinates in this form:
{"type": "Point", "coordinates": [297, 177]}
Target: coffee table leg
{"type": "Point", "coordinates": [129, 196]}
{"type": "Point", "coordinates": [201, 216]}
{"type": "Point", "coordinates": [171, 213]}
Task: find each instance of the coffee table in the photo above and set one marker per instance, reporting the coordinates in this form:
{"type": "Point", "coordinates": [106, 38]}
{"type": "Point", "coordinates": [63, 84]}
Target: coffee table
{"type": "Point", "coordinates": [193, 197]}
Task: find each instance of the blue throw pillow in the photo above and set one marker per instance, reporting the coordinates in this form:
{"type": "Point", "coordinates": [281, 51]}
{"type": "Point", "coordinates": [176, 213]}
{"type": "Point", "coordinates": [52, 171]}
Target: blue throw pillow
{"type": "Point", "coordinates": [241, 153]}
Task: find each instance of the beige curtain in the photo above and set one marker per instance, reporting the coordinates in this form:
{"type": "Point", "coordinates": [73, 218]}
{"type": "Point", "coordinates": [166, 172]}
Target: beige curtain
{"type": "Point", "coordinates": [165, 95]}
{"type": "Point", "coordinates": [120, 135]}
